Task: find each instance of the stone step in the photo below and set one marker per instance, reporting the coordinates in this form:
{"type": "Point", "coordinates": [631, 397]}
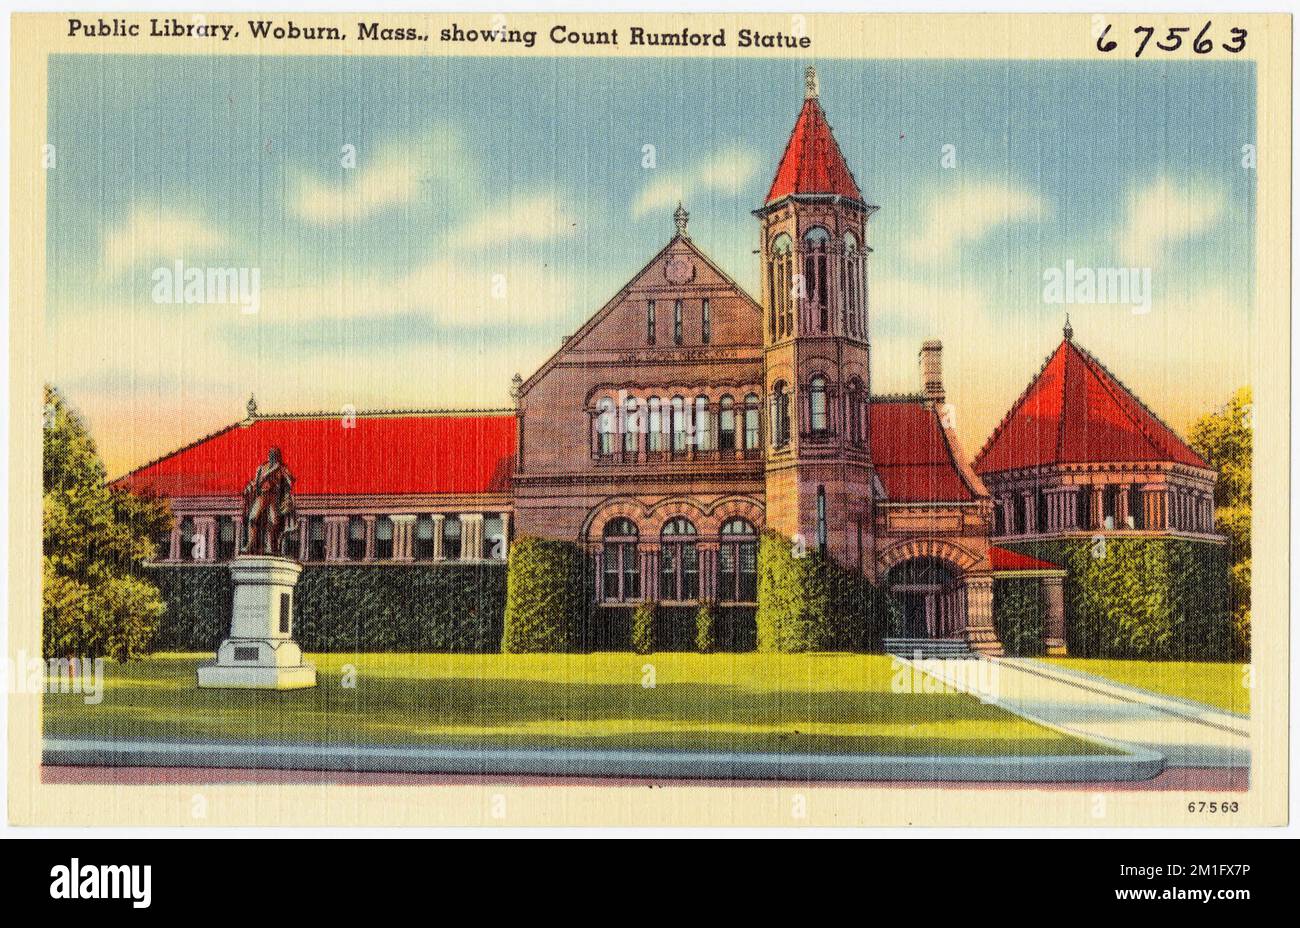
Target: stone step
{"type": "Point", "coordinates": [928, 648]}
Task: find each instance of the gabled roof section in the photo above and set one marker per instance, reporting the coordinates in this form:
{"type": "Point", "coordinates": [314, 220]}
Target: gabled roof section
{"type": "Point", "coordinates": [813, 162]}
{"type": "Point", "coordinates": [453, 452]}
{"type": "Point", "coordinates": [1077, 412]}
{"type": "Point", "coordinates": [680, 241]}
{"type": "Point", "coordinates": [913, 456]}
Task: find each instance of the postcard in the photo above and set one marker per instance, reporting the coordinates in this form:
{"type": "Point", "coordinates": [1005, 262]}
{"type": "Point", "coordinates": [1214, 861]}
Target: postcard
{"type": "Point", "coordinates": [649, 419]}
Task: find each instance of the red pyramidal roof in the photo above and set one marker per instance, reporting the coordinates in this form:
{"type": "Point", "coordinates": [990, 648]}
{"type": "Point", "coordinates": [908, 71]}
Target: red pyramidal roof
{"type": "Point", "coordinates": [812, 162]}
{"type": "Point", "coordinates": [1076, 412]}
{"type": "Point", "coordinates": [416, 453]}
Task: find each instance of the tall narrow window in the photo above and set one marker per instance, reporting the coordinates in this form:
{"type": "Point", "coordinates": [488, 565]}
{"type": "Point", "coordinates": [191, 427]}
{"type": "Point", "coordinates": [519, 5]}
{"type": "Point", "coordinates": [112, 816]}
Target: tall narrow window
{"type": "Point", "coordinates": [621, 562]}
{"type": "Point", "coordinates": [650, 323]}
{"type": "Point", "coordinates": [356, 538]}
{"type": "Point", "coordinates": [384, 538]}
{"type": "Point", "coordinates": [780, 415]}
{"type": "Point", "coordinates": [814, 268]}
{"type": "Point", "coordinates": [677, 322]}
{"type": "Point", "coordinates": [852, 284]}
{"type": "Point", "coordinates": [703, 424]}
{"type": "Point", "coordinates": [631, 427]}
{"type": "Point", "coordinates": [655, 429]}
{"type": "Point", "coordinates": [706, 322]}
{"type": "Point", "coordinates": [422, 540]}
{"type": "Point", "coordinates": [679, 565]}
{"type": "Point", "coordinates": [780, 273]}
{"type": "Point", "coordinates": [726, 424]}
{"type": "Point", "coordinates": [605, 427]}
{"type": "Point", "coordinates": [751, 422]}
{"type": "Point", "coordinates": [821, 519]}
{"type": "Point", "coordinates": [817, 405]}
{"type": "Point", "coordinates": [738, 562]}
{"type": "Point", "coordinates": [679, 425]}
{"type": "Point", "coordinates": [451, 538]}
{"type": "Point", "coordinates": [225, 537]}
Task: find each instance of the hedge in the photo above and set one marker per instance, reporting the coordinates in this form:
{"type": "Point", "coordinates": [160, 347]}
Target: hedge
{"type": "Point", "coordinates": [810, 603]}
{"type": "Point", "coordinates": [547, 597]}
{"type": "Point", "coordinates": [348, 607]}
{"type": "Point", "coordinates": [1144, 598]}
{"type": "Point", "coordinates": [1019, 615]}
{"type": "Point", "coordinates": [643, 628]}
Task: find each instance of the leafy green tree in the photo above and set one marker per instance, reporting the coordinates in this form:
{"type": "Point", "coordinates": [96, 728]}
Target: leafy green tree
{"type": "Point", "coordinates": [1224, 438]}
{"type": "Point", "coordinates": [95, 600]}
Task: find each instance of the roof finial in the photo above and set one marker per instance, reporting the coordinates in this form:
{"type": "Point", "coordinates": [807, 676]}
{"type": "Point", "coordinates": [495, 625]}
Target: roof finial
{"type": "Point", "coordinates": [252, 406]}
{"type": "Point", "coordinates": [680, 218]}
{"type": "Point", "coordinates": [516, 387]}
{"type": "Point", "coordinates": [1069, 329]}
{"type": "Point", "coordinates": [810, 83]}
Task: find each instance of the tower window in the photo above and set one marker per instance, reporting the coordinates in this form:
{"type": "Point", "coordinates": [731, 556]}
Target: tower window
{"type": "Point", "coordinates": [650, 323]}
{"type": "Point", "coordinates": [814, 272]}
{"type": "Point", "coordinates": [780, 416]}
{"type": "Point", "coordinates": [780, 275]}
{"type": "Point", "coordinates": [817, 405]}
{"type": "Point", "coordinates": [677, 322]}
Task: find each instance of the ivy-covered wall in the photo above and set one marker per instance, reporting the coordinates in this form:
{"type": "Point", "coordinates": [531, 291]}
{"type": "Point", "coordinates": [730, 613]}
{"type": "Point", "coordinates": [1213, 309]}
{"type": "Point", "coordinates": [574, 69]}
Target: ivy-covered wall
{"type": "Point", "coordinates": [1019, 615]}
{"type": "Point", "coordinates": [348, 607]}
{"type": "Point", "coordinates": [1152, 598]}
{"type": "Point", "coordinates": [550, 588]}
{"type": "Point", "coordinates": [810, 603]}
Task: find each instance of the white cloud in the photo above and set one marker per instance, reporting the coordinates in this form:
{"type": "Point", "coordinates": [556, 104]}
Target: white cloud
{"type": "Point", "coordinates": [726, 172]}
{"type": "Point", "coordinates": [955, 219]}
{"type": "Point", "coordinates": [391, 176]}
{"type": "Point", "coordinates": [154, 233]}
{"type": "Point", "coordinates": [1164, 214]}
{"type": "Point", "coordinates": [535, 219]}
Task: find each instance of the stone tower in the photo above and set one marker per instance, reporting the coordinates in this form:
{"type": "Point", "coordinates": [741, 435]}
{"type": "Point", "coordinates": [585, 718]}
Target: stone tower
{"type": "Point", "coordinates": [813, 244]}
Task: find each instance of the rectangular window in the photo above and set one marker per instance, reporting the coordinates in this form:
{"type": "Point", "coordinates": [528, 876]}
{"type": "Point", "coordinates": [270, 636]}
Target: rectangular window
{"type": "Point", "coordinates": [631, 571]}
{"type": "Point", "coordinates": [494, 538]}
{"type": "Point", "coordinates": [451, 538]}
{"type": "Point", "coordinates": [677, 322]}
{"type": "Point", "coordinates": [727, 573]}
{"type": "Point", "coordinates": [610, 563]}
{"type": "Point", "coordinates": [821, 519]}
{"type": "Point", "coordinates": [225, 538]}
{"type": "Point", "coordinates": [706, 323]}
{"type": "Point", "coordinates": [316, 538]}
{"type": "Point", "coordinates": [650, 323]}
{"type": "Point", "coordinates": [356, 538]}
{"type": "Point", "coordinates": [690, 572]}
{"type": "Point", "coordinates": [655, 429]}
{"type": "Point", "coordinates": [751, 427]}
{"type": "Point", "coordinates": [748, 572]}
{"type": "Point", "coordinates": [189, 540]}
{"type": "Point", "coordinates": [384, 538]}
{"type": "Point", "coordinates": [631, 428]}
{"type": "Point", "coordinates": [668, 572]}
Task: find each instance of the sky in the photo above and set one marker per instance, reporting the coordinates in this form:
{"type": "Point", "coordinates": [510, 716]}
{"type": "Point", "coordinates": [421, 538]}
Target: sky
{"type": "Point", "coordinates": [425, 227]}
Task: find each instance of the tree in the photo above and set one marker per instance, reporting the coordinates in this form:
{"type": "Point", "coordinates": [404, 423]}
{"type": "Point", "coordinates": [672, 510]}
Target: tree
{"type": "Point", "coordinates": [96, 601]}
{"type": "Point", "coordinates": [1224, 439]}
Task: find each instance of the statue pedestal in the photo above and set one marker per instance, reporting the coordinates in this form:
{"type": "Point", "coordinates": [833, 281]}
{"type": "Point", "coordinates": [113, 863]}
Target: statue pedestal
{"type": "Point", "coordinates": [260, 652]}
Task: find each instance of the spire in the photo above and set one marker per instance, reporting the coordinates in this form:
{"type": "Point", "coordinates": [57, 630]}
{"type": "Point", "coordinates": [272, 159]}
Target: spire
{"type": "Point", "coordinates": [252, 406]}
{"type": "Point", "coordinates": [813, 162]}
{"type": "Point", "coordinates": [1069, 329]}
{"type": "Point", "coordinates": [680, 217]}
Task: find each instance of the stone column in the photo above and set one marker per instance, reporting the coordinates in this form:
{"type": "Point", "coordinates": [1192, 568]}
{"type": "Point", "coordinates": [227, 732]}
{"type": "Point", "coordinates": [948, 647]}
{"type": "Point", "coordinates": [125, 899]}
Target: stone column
{"type": "Point", "coordinates": [304, 537]}
{"type": "Point", "coordinates": [403, 532]}
{"type": "Point", "coordinates": [708, 572]}
{"type": "Point", "coordinates": [1031, 514]}
{"type": "Point", "coordinates": [1098, 507]}
{"type": "Point", "coordinates": [471, 536]}
{"type": "Point", "coordinates": [174, 548]}
{"type": "Point", "coordinates": [505, 534]}
{"type": "Point", "coordinates": [370, 537]}
{"type": "Point", "coordinates": [981, 635]}
{"type": "Point", "coordinates": [1053, 592]}
{"type": "Point", "coordinates": [438, 520]}
{"type": "Point", "coordinates": [599, 558]}
{"type": "Point", "coordinates": [1008, 505]}
{"type": "Point", "coordinates": [1122, 508]}
{"type": "Point", "coordinates": [205, 527]}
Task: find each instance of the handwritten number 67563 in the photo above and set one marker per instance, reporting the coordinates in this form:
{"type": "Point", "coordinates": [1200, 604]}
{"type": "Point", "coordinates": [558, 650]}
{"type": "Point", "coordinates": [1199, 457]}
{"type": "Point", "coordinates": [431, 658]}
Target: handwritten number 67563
{"type": "Point", "coordinates": [1173, 40]}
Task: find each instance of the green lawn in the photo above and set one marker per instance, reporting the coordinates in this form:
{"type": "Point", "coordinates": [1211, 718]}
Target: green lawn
{"type": "Point", "coordinates": [835, 703]}
{"type": "Point", "coordinates": [1215, 684]}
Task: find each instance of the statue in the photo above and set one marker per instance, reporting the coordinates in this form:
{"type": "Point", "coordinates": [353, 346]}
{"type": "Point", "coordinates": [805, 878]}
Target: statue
{"type": "Point", "coordinates": [268, 507]}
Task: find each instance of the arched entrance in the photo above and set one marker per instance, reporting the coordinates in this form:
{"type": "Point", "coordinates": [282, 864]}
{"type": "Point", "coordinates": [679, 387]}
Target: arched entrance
{"type": "Point", "coordinates": [931, 597]}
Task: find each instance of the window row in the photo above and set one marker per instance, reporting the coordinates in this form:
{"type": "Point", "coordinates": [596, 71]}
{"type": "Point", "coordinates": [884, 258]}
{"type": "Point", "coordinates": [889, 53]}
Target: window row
{"type": "Point", "coordinates": [678, 321]}
{"type": "Point", "coordinates": [806, 282]}
{"type": "Point", "coordinates": [660, 426]}
{"type": "Point", "coordinates": [677, 563]}
{"type": "Point", "coordinates": [821, 412]}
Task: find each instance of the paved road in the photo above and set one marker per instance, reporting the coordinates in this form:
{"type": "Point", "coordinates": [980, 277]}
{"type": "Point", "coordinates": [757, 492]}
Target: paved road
{"type": "Point", "coordinates": [1186, 734]}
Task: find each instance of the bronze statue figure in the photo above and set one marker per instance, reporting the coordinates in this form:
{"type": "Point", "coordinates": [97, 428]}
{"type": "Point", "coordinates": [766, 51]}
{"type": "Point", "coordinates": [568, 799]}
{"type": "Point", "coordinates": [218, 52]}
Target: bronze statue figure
{"type": "Point", "coordinates": [268, 507]}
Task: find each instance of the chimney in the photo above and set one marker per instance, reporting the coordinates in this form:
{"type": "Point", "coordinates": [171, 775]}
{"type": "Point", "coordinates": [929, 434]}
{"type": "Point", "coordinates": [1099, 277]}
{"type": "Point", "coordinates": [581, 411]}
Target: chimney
{"type": "Point", "coordinates": [931, 357]}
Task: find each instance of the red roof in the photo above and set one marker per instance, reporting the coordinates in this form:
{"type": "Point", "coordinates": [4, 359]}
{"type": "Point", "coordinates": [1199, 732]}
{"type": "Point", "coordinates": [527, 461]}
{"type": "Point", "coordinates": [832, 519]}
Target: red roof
{"type": "Point", "coordinates": [1076, 412]}
{"type": "Point", "coordinates": [912, 456]}
{"type": "Point", "coordinates": [812, 162]}
{"type": "Point", "coordinates": [1004, 559]}
{"type": "Point", "coordinates": [381, 454]}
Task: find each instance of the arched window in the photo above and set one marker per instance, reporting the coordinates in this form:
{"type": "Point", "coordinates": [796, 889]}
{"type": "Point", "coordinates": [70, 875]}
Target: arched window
{"type": "Point", "coordinates": [726, 424]}
{"type": "Point", "coordinates": [817, 405]}
{"type": "Point", "coordinates": [631, 426]}
{"type": "Point", "coordinates": [751, 422]}
{"type": "Point", "coordinates": [606, 427]}
{"type": "Point", "coordinates": [780, 415]}
{"type": "Point", "coordinates": [816, 244]}
{"type": "Point", "coordinates": [356, 538]}
{"type": "Point", "coordinates": [679, 425]}
{"type": "Point", "coordinates": [738, 562]}
{"type": "Point", "coordinates": [620, 561]}
{"type": "Point", "coordinates": [780, 274]}
{"type": "Point", "coordinates": [679, 562]}
{"type": "Point", "coordinates": [655, 428]}
{"type": "Point", "coordinates": [703, 424]}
